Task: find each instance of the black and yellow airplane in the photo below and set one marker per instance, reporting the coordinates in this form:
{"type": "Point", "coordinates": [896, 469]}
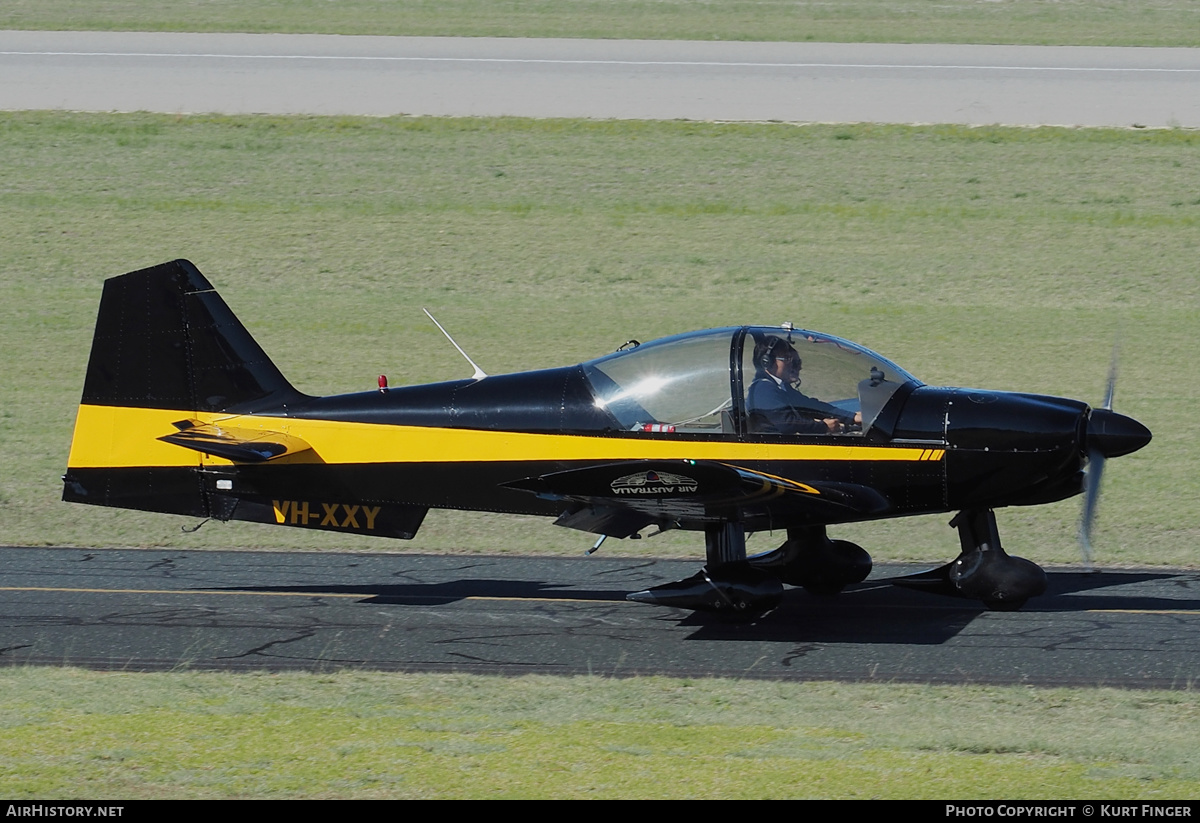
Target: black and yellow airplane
{"type": "Point", "coordinates": [183, 412]}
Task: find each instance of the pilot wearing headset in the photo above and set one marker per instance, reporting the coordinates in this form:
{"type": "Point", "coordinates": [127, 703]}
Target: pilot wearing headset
{"type": "Point", "coordinates": [775, 405]}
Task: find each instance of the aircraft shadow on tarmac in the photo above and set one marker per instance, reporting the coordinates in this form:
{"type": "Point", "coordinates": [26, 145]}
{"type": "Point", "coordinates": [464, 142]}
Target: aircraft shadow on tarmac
{"type": "Point", "coordinates": [872, 612]}
{"type": "Point", "coordinates": [1077, 582]}
{"type": "Point", "coordinates": [438, 594]}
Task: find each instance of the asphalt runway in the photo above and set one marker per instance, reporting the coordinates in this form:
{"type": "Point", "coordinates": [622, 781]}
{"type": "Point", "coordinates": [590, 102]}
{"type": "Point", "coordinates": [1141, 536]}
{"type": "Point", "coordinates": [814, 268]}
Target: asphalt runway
{"type": "Point", "coordinates": [794, 82]}
{"type": "Point", "coordinates": [165, 609]}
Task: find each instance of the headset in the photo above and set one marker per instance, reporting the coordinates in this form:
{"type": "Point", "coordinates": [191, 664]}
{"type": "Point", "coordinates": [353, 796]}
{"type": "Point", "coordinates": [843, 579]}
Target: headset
{"type": "Point", "coordinates": [767, 350]}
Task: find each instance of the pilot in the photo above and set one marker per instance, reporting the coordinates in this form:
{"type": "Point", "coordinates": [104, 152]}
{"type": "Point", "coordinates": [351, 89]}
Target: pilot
{"type": "Point", "coordinates": [775, 405]}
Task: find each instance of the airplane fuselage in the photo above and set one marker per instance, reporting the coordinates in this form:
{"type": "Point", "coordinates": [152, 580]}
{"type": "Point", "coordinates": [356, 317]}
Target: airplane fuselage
{"type": "Point", "coordinates": [725, 431]}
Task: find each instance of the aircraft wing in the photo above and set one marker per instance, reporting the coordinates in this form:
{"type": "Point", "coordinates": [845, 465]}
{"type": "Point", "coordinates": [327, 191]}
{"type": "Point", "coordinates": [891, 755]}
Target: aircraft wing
{"type": "Point", "coordinates": [619, 499]}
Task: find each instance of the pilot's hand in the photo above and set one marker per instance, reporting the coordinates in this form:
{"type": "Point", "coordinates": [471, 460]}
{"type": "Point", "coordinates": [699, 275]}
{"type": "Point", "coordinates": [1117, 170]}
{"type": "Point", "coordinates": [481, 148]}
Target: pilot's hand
{"type": "Point", "coordinates": [833, 424]}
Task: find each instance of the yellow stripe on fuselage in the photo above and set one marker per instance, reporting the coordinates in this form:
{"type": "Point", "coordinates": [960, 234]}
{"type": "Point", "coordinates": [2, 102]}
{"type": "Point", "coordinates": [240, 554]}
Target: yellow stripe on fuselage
{"type": "Point", "coordinates": [114, 436]}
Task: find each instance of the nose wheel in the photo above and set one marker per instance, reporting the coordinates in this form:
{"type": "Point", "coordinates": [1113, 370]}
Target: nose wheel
{"type": "Point", "coordinates": [983, 570]}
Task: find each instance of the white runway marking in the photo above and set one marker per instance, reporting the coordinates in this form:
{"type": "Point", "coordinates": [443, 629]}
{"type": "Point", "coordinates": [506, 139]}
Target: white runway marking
{"type": "Point", "coordinates": [547, 61]}
{"type": "Point", "coordinates": [605, 79]}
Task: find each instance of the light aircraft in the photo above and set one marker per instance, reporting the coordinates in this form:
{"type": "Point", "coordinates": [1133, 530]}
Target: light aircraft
{"type": "Point", "coordinates": [183, 412]}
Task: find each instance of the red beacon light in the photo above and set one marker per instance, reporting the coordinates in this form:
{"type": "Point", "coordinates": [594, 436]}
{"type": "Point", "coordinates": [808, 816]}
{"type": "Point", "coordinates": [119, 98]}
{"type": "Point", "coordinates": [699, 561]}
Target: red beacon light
{"type": "Point", "coordinates": [383, 386]}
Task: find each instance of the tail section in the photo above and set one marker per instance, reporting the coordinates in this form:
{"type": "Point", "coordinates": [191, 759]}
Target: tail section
{"type": "Point", "coordinates": [184, 413]}
{"type": "Point", "coordinates": [166, 348]}
{"type": "Point", "coordinates": [166, 340]}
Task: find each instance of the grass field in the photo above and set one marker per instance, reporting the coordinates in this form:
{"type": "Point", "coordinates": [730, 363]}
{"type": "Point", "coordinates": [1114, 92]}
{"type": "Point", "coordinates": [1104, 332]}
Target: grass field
{"type": "Point", "coordinates": [75, 734]}
{"type": "Point", "coordinates": [1052, 22]}
{"type": "Point", "coordinates": [1005, 258]}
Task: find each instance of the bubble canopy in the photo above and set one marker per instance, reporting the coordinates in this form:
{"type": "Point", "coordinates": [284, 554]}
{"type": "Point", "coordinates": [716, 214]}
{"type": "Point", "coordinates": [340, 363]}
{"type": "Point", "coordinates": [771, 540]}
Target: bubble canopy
{"type": "Point", "coordinates": [701, 381]}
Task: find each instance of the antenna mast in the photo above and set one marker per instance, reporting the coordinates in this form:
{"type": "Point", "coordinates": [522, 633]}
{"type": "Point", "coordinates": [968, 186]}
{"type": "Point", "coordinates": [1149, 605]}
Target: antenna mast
{"type": "Point", "coordinates": [479, 373]}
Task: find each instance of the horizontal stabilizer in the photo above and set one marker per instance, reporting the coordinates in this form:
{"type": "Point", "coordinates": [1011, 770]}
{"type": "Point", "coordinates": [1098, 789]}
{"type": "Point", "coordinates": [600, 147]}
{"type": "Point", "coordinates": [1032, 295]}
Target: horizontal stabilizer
{"type": "Point", "coordinates": [238, 445]}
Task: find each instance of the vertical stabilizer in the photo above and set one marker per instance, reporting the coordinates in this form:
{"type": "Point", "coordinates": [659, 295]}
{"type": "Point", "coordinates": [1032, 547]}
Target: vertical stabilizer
{"type": "Point", "coordinates": [166, 348]}
{"type": "Point", "coordinates": [166, 340]}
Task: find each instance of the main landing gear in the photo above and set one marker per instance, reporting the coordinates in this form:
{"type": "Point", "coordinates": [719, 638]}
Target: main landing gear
{"type": "Point", "coordinates": [732, 583]}
{"type": "Point", "coordinates": [983, 570]}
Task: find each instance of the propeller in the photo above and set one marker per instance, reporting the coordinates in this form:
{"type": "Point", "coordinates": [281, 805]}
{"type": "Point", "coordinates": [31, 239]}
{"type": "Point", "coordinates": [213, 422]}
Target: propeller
{"type": "Point", "coordinates": [1108, 434]}
{"type": "Point", "coordinates": [1095, 468]}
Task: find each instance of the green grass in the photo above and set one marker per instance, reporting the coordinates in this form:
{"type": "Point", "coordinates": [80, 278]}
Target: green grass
{"type": "Point", "coordinates": [74, 734]}
{"type": "Point", "coordinates": [1052, 22]}
{"type": "Point", "coordinates": [998, 257]}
